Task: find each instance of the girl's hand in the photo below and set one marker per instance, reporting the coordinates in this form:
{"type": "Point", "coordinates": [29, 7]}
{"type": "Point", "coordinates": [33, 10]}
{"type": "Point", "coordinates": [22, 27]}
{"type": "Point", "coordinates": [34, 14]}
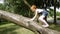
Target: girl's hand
{"type": "Point", "coordinates": [31, 19]}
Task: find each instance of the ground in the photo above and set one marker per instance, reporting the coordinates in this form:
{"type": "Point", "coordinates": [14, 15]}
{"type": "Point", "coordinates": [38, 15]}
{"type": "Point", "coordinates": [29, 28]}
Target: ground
{"type": "Point", "coordinates": [10, 28]}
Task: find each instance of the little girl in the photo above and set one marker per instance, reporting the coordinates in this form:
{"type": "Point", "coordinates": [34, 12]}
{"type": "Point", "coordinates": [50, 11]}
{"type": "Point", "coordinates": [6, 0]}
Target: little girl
{"type": "Point", "coordinates": [43, 13]}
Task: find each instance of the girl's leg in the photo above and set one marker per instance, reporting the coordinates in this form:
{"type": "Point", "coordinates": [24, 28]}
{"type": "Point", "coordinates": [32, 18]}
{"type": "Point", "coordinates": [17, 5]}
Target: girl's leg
{"type": "Point", "coordinates": [41, 18]}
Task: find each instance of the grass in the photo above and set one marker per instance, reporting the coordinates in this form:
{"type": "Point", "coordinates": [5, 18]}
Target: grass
{"type": "Point", "coordinates": [10, 28]}
{"type": "Point", "coordinates": [55, 27]}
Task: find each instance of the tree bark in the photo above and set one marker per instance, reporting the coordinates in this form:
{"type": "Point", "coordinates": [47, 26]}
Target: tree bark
{"type": "Point", "coordinates": [24, 21]}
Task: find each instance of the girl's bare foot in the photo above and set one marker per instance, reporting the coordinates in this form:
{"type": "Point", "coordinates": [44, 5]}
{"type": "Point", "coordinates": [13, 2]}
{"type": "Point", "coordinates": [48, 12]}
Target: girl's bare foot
{"type": "Point", "coordinates": [45, 26]}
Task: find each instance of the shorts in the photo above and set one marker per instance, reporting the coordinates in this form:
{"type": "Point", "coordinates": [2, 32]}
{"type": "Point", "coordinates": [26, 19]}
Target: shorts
{"type": "Point", "coordinates": [45, 13]}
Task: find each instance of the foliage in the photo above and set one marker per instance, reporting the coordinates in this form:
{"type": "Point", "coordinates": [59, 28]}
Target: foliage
{"type": "Point", "coordinates": [58, 13]}
{"type": "Point", "coordinates": [2, 7]}
{"type": "Point", "coordinates": [19, 7]}
{"type": "Point", "coordinates": [50, 13]}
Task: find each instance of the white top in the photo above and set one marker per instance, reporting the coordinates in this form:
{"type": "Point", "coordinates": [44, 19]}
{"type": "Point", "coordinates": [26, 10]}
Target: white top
{"type": "Point", "coordinates": [36, 12]}
{"type": "Point", "coordinates": [39, 10]}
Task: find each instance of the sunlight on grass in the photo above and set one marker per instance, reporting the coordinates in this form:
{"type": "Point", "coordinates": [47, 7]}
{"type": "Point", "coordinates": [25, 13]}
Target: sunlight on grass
{"type": "Point", "coordinates": [6, 25]}
{"type": "Point", "coordinates": [23, 31]}
{"type": "Point", "coordinates": [54, 27]}
{"type": "Point", "coordinates": [11, 28]}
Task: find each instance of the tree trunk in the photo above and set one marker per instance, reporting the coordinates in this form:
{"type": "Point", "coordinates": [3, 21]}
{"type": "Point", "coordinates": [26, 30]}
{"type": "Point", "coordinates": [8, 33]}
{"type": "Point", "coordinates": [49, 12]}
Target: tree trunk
{"type": "Point", "coordinates": [55, 12]}
{"type": "Point", "coordinates": [23, 21]}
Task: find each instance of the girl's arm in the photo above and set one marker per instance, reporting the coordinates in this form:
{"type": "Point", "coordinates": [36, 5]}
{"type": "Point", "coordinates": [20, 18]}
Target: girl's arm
{"type": "Point", "coordinates": [34, 16]}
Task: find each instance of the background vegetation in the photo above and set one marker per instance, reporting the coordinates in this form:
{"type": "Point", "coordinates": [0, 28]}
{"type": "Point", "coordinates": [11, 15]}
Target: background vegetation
{"type": "Point", "coordinates": [19, 7]}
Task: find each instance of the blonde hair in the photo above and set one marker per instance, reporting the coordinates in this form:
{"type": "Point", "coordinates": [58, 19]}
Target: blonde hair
{"type": "Point", "coordinates": [33, 7]}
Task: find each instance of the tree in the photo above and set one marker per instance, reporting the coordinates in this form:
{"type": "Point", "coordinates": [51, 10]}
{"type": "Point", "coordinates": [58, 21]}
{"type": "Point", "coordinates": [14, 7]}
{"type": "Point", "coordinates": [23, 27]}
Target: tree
{"type": "Point", "coordinates": [55, 11]}
{"type": "Point", "coordinates": [23, 21]}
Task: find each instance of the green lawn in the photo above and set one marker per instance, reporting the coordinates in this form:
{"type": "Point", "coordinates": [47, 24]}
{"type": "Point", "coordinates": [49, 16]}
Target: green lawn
{"type": "Point", "coordinates": [55, 27]}
{"type": "Point", "coordinates": [10, 28]}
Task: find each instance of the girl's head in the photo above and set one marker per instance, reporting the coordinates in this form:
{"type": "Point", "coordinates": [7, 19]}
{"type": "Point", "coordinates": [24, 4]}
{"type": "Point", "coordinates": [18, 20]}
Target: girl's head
{"type": "Point", "coordinates": [33, 8]}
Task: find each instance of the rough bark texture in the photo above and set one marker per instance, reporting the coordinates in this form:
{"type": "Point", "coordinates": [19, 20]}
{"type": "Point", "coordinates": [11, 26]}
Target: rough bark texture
{"type": "Point", "coordinates": [23, 21]}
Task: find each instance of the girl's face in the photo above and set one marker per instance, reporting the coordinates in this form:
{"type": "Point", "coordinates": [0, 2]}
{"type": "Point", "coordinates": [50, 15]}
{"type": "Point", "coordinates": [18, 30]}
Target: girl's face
{"type": "Point", "coordinates": [33, 8]}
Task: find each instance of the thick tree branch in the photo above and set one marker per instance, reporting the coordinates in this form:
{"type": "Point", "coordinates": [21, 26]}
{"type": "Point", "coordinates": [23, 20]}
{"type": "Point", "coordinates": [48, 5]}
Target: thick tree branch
{"type": "Point", "coordinates": [23, 21]}
{"type": "Point", "coordinates": [27, 3]}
